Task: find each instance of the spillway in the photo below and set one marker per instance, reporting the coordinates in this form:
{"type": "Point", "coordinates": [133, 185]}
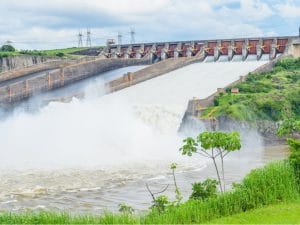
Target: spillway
{"type": "Point", "coordinates": [99, 143]}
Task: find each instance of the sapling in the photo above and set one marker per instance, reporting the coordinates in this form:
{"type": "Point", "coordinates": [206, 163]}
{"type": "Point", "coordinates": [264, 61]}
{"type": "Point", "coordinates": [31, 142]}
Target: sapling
{"type": "Point", "coordinates": [213, 145]}
{"type": "Point", "coordinates": [178, 195]}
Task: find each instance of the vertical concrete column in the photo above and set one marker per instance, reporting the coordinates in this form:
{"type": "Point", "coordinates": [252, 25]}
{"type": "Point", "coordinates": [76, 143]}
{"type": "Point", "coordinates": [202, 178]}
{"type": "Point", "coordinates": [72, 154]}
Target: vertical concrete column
{"type": "Point", "coordinates": [113, 53]}
{"type": "Point", "coordinates": [118, 52]}
{"type": "Point", "coordinates": [128, 52]}
{"type": "Point", "coordinates": [140, 51]}
{"type": "Point", "coordinates": [49, 82]}
{"type": "Point", "coordinates": [217, 51]}
{"type": "Point", "coordinates": [231, 50]}
{"type": "Point", "coordinates": [152, 53]}
{"type": "Point", "coordinates": [26, 88]}
{"type": "Point", "coordinates": [190, 49]}
{"type": "Point", "coordinates": [259, 49]}
{"type": "Point", "coordinates": [245, 49]}
{"type": "Point", "coordinates": [130, 77]}
{"type": "Point", "coordinates": [178, 50]}
{"type": "Point", "coordinates": [164, 52]}
{"type": "Point", "coordinates": [273, 49]}
{"type": "Point", "coordinates": [9, 92]}
{"type": "Point", "coordinates": [203, 50]}
{"type": "Point", "coordinates": [62, 77]}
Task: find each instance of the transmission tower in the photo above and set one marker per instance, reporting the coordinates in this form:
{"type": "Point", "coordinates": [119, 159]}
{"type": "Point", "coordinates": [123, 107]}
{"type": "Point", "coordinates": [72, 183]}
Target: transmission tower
{"type": "Point", "coordinates": [79, 39]}
{"type": "Point", "coordinates": [132, 34]}
{"type": "Point", "coordinates": [119, 38]}
{"type": "Point", "coordinates": [88, 38]}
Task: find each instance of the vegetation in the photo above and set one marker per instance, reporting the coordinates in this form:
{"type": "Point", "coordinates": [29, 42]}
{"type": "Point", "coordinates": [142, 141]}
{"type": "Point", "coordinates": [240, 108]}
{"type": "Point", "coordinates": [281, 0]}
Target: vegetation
{"type": "Point", "coordinates": [5, 51]}
{"type": "Point", "coordinates": [204, 190]}
{"type": "Point", "coordinates": [272, 184]}
{"type": "Point", "coordinates": [272, 95]}
{"type": "Point", "coordinates": [213, 145]}
{"type": "Point", "coordinates": [277, 182]}
{"type": "Point", "coordinates": [67, 52]}
{"type": "Point", "coordinates": [283, 213]}
{"type": "Point", "coordinates": [7, 48]}
{"type": "Point", "coordinates": [291, 127]}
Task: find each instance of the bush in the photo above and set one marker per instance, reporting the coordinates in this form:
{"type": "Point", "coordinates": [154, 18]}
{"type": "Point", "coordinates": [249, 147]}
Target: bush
{"type": "Point", "coordinates": [60, 54]}
{"type": "Point", "coordinates": [7, 48]}
{"type": "Point", "coordinates": [204, 190]}
{"type": "Point", "coordinates": [126, 209]}
{"type": "Point", "coordinates": [289, 64]}
{"type": "Point", "coordinates": [160, 204]}
{"type": "Point", "coordinates": [274, 183]}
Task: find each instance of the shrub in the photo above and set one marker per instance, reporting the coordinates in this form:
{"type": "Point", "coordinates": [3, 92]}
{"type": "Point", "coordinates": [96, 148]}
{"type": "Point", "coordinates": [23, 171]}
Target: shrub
{"type": "Point", "coordinates": [60, 54]}
{"type": "Point", "coordinates": [160, 203]}
{"type": "Point", "coordinates": [126, 209]}
{"type": "Point", "coordinates": [7, 48]}
{"type": "Point", "coordinates": [204, 190]}
{"type": "Point", "coordinates": [274, 183]}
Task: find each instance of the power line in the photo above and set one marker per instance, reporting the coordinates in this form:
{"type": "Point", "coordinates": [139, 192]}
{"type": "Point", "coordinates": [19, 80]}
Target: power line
{"type": "Point", "coordinates": [132, 34]}
{"type": "Point", "coordinates": [79, 39]}
{"type": "Point", "coordinates": [88, 38]}
{"type": "Point", "coordinates": [119, 38]}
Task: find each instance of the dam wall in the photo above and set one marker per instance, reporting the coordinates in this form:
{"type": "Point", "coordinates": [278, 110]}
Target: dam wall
{"type": "Point", "coordinates": [65, 75]}
{"type": "Point", "coordinates": [150, 72]}
{"type": "Point", "coordinates": [244, 47]}
{"type": "Point", "coordinates": [48, 65]}
{"type": "Point", "coordinates": [18, 62]}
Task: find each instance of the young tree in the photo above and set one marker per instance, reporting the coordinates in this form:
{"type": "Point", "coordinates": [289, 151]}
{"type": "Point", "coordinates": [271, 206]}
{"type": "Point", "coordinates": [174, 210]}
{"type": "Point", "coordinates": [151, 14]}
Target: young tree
{"type": "Point", "coordinates": [213, 145]}
{"type": "Point", "coordinates": [178, 195]}
{"type": "Point", "coordinates": [290, 128]}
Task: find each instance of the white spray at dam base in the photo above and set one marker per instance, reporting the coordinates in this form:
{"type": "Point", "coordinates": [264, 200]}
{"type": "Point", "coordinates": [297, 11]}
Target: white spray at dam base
{"type": "Point", "coordinates": [102, 140]}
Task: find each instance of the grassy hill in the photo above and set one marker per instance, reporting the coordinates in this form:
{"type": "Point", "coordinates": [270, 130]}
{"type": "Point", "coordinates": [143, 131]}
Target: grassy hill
{"type": "Point", "coordinates": [263, 96]}
{"type": "Point", "coordinates": [65, 52]}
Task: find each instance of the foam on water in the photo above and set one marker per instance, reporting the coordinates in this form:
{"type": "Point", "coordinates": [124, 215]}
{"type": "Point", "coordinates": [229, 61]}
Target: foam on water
{"type": "Point", "coordinates": [103, 141]}
{"type": "Point", "coordinates": [134, 124]}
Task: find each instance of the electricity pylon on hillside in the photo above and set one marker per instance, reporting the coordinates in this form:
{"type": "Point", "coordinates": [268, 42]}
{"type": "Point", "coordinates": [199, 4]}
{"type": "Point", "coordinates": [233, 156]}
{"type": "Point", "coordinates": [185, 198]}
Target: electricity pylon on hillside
{"type": "Point", "coordinates": [88, 38]}
{"type": "Point", "coordinates": [79, 39]}
{"type": "Point", "coordinates": [132, 34]}
{"type": "Point", "coordinates": [119, 38]}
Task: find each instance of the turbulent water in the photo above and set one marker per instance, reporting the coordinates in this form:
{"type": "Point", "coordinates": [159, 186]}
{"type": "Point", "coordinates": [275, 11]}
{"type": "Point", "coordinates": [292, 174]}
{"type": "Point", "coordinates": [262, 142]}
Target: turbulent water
{"type": "Point", "coordinates": [90, 154]}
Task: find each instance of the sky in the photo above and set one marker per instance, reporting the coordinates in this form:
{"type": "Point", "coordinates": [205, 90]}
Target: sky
{"type": "Point", "coordinates": [50, 24]}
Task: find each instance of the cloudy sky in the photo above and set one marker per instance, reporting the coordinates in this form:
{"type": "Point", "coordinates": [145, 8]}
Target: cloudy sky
{"type": "Point", "coordinates": [44, 24]}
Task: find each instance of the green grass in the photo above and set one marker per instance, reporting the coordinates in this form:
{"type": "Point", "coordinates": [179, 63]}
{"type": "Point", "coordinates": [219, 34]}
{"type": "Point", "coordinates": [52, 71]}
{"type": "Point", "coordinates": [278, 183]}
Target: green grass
{"type": "Point", "coordinates": [283, 213]}
{"type": "Point", "coordinates": [275, 183]}
{"type": "Point", "coordinates": [271, 96]}
{"type": "Point", "coordinates": [6, 54]}
{"type": "Point", "coordinates": [65, 52]}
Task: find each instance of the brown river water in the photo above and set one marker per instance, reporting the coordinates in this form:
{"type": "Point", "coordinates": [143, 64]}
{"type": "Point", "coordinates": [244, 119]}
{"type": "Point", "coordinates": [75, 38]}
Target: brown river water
{"type": "Point", "coordinates": [89, 155]}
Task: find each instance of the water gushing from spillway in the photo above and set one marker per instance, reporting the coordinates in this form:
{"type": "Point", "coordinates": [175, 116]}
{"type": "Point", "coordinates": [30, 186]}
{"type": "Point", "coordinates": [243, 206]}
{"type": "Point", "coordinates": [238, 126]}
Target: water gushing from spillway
{"type": "Point", "coordinates": [102, 141]}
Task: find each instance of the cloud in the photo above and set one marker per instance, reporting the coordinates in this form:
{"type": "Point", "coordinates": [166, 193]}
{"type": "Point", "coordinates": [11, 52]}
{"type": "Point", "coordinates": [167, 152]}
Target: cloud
{"type": "Point", "coordinates": [288, 10]}
{"type": "Point", "coordinates": [48, 22]}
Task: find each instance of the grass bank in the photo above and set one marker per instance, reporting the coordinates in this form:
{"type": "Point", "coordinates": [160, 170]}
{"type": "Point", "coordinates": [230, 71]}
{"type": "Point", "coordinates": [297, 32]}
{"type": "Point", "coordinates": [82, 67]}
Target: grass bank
{"type": "Point", "coordinates": [283, 213]}
{"type": "Point", "coordinates": [65, 52]}
{"type": "Point", "coordinates": [272, 184]}
{"type": "Point", "coordinates": [271, 96]}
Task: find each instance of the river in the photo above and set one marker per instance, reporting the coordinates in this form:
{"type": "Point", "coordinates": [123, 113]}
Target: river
{"type": "Point", "coordinates": [91, 154]}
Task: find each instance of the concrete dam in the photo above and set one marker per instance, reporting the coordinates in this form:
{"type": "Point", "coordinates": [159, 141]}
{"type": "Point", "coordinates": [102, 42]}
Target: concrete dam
{"type": "Point", "coordinates": [91, 154]}
{"type": "Point", "coordinates": [20, 84]}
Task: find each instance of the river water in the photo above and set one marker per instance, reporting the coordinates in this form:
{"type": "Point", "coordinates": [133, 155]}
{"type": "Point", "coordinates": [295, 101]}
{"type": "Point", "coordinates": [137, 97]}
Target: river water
{"type": "Point", "coordinates": [91, 154]}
